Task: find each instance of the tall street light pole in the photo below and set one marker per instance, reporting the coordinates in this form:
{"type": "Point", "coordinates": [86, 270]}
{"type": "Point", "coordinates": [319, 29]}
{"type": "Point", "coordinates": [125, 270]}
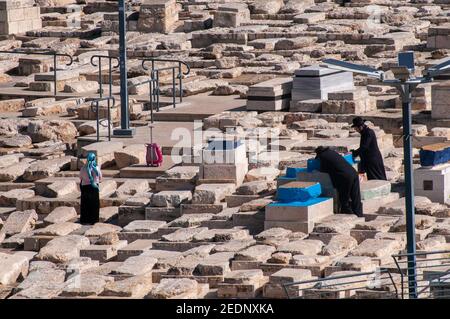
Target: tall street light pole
{"type": "Point", "coordinates": [125, 130]}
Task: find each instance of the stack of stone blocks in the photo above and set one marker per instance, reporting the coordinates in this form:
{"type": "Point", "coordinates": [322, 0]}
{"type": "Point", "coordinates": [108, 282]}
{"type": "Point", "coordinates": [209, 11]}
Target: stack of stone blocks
{"type": "Point", "coordinates": [19, 16]}
{"type": "Point", "coordinates": [157, 16]}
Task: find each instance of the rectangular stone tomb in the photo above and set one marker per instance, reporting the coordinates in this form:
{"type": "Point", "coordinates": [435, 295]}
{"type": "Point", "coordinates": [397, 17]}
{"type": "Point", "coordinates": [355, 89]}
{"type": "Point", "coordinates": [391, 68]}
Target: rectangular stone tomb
{"type": "Point", "coordinates": [433, 183]}
{"type": "Point", "coordinates": [310, 210]}
{"type": "Point", "coordinates": [271, 95]}
{"type": "Point", "coordinates": [225, 152]}
{"type": "Point", "coordinates": [19, 16]}
{"type": "Point", "coordinates": [434, 154]}
{"type": "Point", "coordinates": [315, 82]}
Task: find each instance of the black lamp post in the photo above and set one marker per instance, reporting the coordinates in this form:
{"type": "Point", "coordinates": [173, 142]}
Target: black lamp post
{"type": "Point", "coordinates": [125, 130]}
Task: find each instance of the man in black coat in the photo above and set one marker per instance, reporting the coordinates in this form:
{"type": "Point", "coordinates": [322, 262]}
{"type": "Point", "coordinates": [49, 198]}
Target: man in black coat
{"type": "Point", "coordinates": [344, 178]}
{"type": "Point", "coordinates": [371, 158]}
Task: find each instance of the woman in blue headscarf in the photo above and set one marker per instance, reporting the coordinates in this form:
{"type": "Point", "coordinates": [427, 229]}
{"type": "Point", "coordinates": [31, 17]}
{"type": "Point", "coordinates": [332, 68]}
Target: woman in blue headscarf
{"type": "Point", "coordinates": [90, 178]}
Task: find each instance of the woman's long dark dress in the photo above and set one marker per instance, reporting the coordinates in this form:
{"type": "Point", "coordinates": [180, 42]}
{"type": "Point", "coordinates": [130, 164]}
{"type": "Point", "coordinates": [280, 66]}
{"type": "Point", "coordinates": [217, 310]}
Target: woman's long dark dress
{"type": "Point", "coordinates": [371, 158]}
{"type": "Point", "coordinates": [90, 204]}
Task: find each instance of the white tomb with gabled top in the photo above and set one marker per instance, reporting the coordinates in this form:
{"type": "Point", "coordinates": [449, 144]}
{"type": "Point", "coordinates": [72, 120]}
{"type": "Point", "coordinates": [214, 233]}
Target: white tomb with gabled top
{"type": "Point", "coordinates": [433, 182]}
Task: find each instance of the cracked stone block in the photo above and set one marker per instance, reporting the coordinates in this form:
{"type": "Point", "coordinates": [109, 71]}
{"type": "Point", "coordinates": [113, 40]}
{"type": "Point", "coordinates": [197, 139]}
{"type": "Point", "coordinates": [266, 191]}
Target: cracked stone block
{"type": "Point", "coordinates": [63, 249]}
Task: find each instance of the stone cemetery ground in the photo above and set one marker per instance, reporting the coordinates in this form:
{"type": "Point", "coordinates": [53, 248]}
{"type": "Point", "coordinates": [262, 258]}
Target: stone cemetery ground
{"type": "Point", "coordinates": [234, 211]}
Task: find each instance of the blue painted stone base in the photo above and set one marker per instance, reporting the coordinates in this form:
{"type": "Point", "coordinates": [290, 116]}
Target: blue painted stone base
{"type": "Point", "coordinates": [307, 203]}
{"type": "Point", "coordinates": [290, 193]}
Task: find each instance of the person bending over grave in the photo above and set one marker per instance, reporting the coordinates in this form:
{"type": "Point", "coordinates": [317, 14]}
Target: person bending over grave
{"type": "Point", "coordinates": [344, 178]}
{"type": "Point", "coordinates": [371, 158]}
{"type": "Point", "coordinates": [90, 178]}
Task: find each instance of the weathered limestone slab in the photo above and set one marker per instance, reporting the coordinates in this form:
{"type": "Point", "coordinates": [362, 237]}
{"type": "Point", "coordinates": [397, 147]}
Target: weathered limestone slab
{"type": "Point", "coordinates": [59, 229]}
{"type": "Point", "coordinates": [302, 247]}
{"type": "Point", "coordinates": [61, 189]}
{"type": "Point", "coordinates": [175, 289]}
{"type": "Point", "coordinates": [255, 253]}
{"type": "Point", "coordinates": [85, 285]}
{"type": "Point", "coordinates": [79, 265]}
{"type": "Point", "coordinates": [100, 229]}
{"type": "Point", "coordinates": [171, 198]}
{"type": "Point", "coordinates": [356, 263]}
{"type": "Point", "coordinates": [46, 168]}
{"type": "Point", "coordinates": [190, 220]}
{"type": "Point", "coordinates": [10, 198]}
{"type": "Point", "coordinates": [131, 188]}
{"type": "Point", "coordinates": [130, 155]}
{"type": "Point", "coordinates": [166, 259]}
{"type": "Point", "coordinates": [214, 264]}
{"type": "Point", "coordinates": [13, 172]}
{"type": "Point", "coordinates": [397, 208]}
{"type": "Point", "coordinates": [233, 246]}
{"type": "Point", "coordinates": [337, 224]}
{"type": "Point", "coordinates": [378, 248]}
{"type": "Point", "coordinates": [20, 222]}
{"type": "Point", "coordinates": [12, 267]}
{"type": "Point", "coordinates": [60, 215]}
{"type": "Point", "coordinates": [149, 226]}
{"type": "Point", "coordinates": [134, 287]}
{"type": "Point", "coordinates": [212, 193]}
{"type": "Point", "coordinates": [274, 289]}
{"type": "Point", "coordinates": [221, 235]}
{"type": "Point", "coordinates": [134, 249]}
{"type": "Point", "coordinates": [339, 244]}
{"type": "Point", "coordinates": [63, 249]}
{"type": "Point", "coordinates": [242, 284]}
{"type": "Point", "coordinates": [255, 205]}
{"type": "Point", "coordinates": [42, 277]}
{"type": "Point", "coordinates": [183, 234]}
{"type": "Point", "coordinates": [103, 251]}
{"type": "Point", "coordinates": [137, 265]}
{"type": "Point", "coordinates": [273, 236]}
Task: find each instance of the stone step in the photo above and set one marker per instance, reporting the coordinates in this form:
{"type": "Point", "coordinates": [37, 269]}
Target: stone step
{"type": "Point", "coordinates": [374, 188]}
{"type": "Point", "coordinates": [143, 171]}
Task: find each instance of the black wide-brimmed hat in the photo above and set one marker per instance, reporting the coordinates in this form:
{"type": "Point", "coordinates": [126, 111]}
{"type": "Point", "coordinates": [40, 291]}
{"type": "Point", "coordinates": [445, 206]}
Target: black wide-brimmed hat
{"type": "Point", "coordinates": [358, 121]}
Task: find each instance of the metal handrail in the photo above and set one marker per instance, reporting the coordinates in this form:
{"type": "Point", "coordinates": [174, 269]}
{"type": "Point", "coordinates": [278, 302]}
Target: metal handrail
{"type": "Point", "coordinates": [44, 52]}
{"type": "Point", "coordinates": [95, 108]}
{"type": "Point", "coordinates": [150, 82]}
{"type": "Point", "coordinates": [100, 80]}
{"type": "Point", "coordinates": [399, 259]}
{"type": "Point", "coordinates": [178, 76]}
{"type": "Point", "coordinates": [320, 283]}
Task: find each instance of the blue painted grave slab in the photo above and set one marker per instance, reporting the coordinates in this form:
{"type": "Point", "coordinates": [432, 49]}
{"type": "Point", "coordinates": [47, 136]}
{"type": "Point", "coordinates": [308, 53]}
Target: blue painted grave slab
{"type": "Point", "coordinates": [291, 172]}
{"type": "Point", "coordinates": [434, 154]}
{"type": "Point", "coordinates": [298, 191]}
{"type": "Point", "coordinates": [314, 164]}
{"type": "Point", "coordinates": [307, 203]}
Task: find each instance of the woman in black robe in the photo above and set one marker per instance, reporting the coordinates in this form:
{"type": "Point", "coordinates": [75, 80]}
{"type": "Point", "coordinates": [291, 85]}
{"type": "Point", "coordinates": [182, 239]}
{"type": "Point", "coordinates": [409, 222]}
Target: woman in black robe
{"type": "Point", "coordinates": [371, 158]}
